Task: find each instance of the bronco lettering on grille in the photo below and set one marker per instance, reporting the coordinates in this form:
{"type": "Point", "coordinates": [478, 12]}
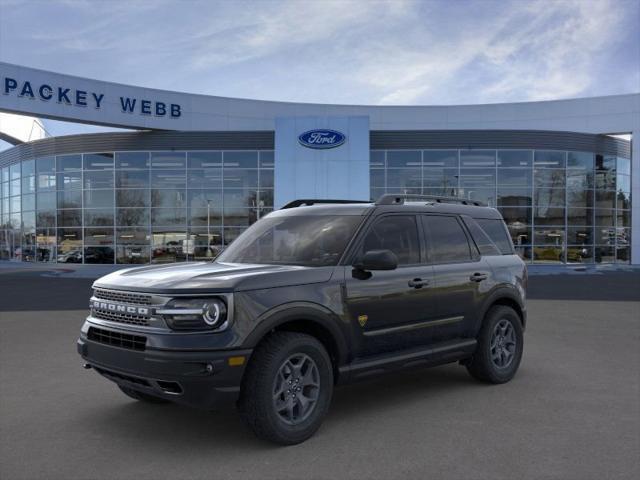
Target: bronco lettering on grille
{"type": "Point", "coordinates": [117, 308]}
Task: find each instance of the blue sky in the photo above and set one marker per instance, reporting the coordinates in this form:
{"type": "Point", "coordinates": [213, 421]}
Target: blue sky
{"type": "Point", "coordinates": [361, 52]}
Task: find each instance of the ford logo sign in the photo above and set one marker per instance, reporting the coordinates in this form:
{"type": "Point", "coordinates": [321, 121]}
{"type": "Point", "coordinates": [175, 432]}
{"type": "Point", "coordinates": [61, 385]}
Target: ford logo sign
{"type": "Point", "coordinates": [322, 138]}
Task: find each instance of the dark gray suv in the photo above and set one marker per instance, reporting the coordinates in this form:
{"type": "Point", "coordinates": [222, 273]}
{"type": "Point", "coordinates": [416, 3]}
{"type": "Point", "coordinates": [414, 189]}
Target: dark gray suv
{"type": "Point", "coordinates": [313, 295]}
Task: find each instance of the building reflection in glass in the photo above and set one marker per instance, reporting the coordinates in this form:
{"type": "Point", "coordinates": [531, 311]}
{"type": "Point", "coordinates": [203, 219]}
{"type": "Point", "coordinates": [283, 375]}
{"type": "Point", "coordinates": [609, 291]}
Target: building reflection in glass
{"type": "Point", "coordinates": [159, 207]}
{"type": "Point", "coordinates": [560, 207]}
{"type": "Point", "coordinates": [131, 207]}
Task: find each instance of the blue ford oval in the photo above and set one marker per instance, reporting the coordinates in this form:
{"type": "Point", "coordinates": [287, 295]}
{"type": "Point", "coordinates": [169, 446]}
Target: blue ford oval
{"type": "Point", "coordinates": [322, 138]}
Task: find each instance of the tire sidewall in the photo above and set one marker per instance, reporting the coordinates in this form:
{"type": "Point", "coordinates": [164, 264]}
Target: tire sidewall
{"type": "Point", "coordinates": [501, 375]}
{"type": "Point", "coordinates": [303, 430]}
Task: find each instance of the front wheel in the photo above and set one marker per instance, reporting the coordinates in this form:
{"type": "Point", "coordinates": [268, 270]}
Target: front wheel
{"type": "Point", "coordinates": [500, 344]}
{"type": "Point", "coordinates": [287, 388]}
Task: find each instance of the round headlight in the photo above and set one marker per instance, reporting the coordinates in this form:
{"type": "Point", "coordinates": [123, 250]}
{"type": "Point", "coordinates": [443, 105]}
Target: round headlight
{"type": "Point", "coordinates": [214, 313]}
{"type": "Point", "coordinates": [194, 313]}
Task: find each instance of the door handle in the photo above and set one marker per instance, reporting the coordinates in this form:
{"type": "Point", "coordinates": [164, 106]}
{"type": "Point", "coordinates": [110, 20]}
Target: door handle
{"type": "Point", "coordinates": [418, 283]}
{"type": "Point", "coordinates": [478, 277]}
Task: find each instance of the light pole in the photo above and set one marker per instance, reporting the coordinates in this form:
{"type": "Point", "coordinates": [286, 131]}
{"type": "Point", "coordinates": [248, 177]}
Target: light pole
{"type": "Point", "coordinates": [209, 227]}
{"type": "Point", "coordinates": [208, 219]}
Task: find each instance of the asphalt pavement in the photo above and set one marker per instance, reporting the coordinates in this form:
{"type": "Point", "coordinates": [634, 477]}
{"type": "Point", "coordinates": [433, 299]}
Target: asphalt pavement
{"type": "Point", "coordinates": [572, 412]}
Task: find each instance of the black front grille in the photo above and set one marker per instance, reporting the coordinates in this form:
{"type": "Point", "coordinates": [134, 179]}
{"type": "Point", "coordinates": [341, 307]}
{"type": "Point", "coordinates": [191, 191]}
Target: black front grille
{"type": "Point", "coordinates": [117, 339]}
{"type": "Point", "coordinates": [128, 318]}
{"type": "Point", "coordinates": [122, 297]}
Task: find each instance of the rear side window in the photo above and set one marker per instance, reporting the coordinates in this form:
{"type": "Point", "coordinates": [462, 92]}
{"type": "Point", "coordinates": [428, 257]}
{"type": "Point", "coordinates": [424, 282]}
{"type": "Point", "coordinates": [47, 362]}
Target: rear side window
{"type": "Point", "coordinates": [497, 232]}
{"type": "Point", "coordinates": [446, 240]}
{"type": "Point", "coordinates": [482, 240]}
{"type": "Point", "coordinates": [397, 233]}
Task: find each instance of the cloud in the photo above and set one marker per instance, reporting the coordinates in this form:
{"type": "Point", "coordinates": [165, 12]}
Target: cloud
{"type": "Point", "coordinates": [287, 26]}
{"type": "Point", "coordinates": [542, 51]}
{"type": "Point", "coordinates": [337, 51]}
{"type": "Point", "coordinates": [553, 56]}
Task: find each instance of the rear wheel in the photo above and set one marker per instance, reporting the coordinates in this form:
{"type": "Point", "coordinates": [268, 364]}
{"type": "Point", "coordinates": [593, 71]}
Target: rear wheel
{"type": "Point", "coordinates": [287, 388]}
{"type": "Point", "coordinates": [500, 344]}
{"type": "Point", "coordinates": [143, 397]}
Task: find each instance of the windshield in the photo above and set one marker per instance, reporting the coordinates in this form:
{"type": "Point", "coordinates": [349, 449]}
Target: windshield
{"type": "Point", "coordinates": [313, 241]}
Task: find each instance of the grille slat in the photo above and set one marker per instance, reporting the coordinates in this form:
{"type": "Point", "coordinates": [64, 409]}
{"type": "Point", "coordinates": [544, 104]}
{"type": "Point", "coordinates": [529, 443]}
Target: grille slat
{"type": "Point", "coordinates": [127, 318]}
{"type": "Point", "coordinates": [122, 297]}
{"type": "Point", "coordinates": [117, 339]}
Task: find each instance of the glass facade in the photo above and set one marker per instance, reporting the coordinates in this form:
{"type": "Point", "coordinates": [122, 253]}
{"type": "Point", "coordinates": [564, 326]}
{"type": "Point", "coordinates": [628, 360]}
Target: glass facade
{"type": "Point", "coordinates": [131, 207]}
{"type": "Point", "coordinates": [171, 206]}
{"type": "Point", "coordinates": [560, 207]}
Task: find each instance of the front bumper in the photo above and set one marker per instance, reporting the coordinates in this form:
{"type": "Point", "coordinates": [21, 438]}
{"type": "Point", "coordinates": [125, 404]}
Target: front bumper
{"type": "Point", "coordinates": [202, 379]}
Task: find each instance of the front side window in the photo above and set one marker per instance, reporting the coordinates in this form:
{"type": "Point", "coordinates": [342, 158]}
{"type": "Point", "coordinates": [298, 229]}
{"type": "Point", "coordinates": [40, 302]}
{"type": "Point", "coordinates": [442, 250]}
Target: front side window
{"type": "Point", "coordinates": [312, 241]}
{"type": "Point", "coordinates": [397, 233]}
{"type": "Point", "coordinates": [446, 239]}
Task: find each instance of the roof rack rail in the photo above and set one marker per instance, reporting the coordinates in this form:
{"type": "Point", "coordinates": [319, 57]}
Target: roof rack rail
{"type": "Point", "coordinates": [311, 201]}
{"type": "Point", "coordinates": [401, 198]}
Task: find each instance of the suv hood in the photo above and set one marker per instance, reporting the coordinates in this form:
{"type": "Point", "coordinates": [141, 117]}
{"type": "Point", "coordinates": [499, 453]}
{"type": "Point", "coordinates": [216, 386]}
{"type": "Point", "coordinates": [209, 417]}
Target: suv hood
{"type": "Point", "coordinates": [201, 277]}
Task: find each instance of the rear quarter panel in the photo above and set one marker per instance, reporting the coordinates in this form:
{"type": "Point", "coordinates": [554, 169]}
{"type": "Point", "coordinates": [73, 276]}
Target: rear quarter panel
{"type": "Point", "coordinates": [508, 280]}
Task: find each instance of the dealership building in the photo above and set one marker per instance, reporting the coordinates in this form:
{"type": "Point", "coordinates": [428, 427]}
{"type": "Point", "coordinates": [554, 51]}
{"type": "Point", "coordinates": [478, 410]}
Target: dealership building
{"type": "Point", "coordinates": [193, 171]}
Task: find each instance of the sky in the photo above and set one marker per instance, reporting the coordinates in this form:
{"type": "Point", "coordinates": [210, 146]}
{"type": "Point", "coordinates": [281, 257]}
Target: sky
{"type": "Point", "coordinates": [392, 52]}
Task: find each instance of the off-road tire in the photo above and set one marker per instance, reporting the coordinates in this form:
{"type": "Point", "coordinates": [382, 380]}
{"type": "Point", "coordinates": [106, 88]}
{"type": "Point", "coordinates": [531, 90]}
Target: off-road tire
{"type": "Point", "coordinates": [256, 403]}
{"type": "Point", "coordinates": [482, 365]}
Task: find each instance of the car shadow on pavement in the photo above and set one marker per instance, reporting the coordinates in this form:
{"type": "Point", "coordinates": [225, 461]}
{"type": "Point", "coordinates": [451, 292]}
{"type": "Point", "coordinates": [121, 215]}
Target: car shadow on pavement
{"type": "Point", "coordinates": [156, 426]}
{"type": "Point", "coordinates": [401, 388]}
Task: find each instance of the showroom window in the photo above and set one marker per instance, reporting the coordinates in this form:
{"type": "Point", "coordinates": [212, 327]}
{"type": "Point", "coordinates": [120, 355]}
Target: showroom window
{"type": "Point", "coordinates": [559, 206]}
{"type": "Point", "coordinates": [165, 206]}
{"type": "Point", "coordinates": [131, 207]}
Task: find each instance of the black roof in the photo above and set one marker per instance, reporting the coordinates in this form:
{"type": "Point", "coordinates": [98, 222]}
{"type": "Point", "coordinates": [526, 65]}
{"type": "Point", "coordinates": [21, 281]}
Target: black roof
{"type": "Point", "coordinates": [360, 208]}
{"type": "Point", "coordinates": [453, 208]}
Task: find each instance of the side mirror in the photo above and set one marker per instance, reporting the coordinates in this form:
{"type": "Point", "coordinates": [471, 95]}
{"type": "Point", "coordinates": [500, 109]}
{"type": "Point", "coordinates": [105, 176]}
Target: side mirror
{"type": "Point", "coordinates": [377, 260]}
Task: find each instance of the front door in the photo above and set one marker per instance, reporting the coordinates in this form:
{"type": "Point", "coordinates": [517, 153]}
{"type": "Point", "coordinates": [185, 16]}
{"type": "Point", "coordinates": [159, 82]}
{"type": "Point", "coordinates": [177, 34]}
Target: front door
{"type": "Point", "coordinates": [388, 309]}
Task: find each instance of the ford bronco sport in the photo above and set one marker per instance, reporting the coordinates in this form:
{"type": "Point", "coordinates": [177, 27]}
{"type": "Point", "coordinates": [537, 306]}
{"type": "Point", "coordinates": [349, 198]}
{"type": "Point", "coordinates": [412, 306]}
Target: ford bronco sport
{"type": "Point", "coordinates": [316, 294]}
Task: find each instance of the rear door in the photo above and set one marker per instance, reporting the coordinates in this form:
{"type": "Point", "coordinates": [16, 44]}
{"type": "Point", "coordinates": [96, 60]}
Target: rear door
{"type": "Point", "coordinates": [459, 273]}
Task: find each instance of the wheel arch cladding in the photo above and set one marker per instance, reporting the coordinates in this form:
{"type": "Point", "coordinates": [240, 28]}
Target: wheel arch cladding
{"type": "Point", "coordinates": [507, 301]}
{"type": "Point", "coordinates": [324, 326]}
